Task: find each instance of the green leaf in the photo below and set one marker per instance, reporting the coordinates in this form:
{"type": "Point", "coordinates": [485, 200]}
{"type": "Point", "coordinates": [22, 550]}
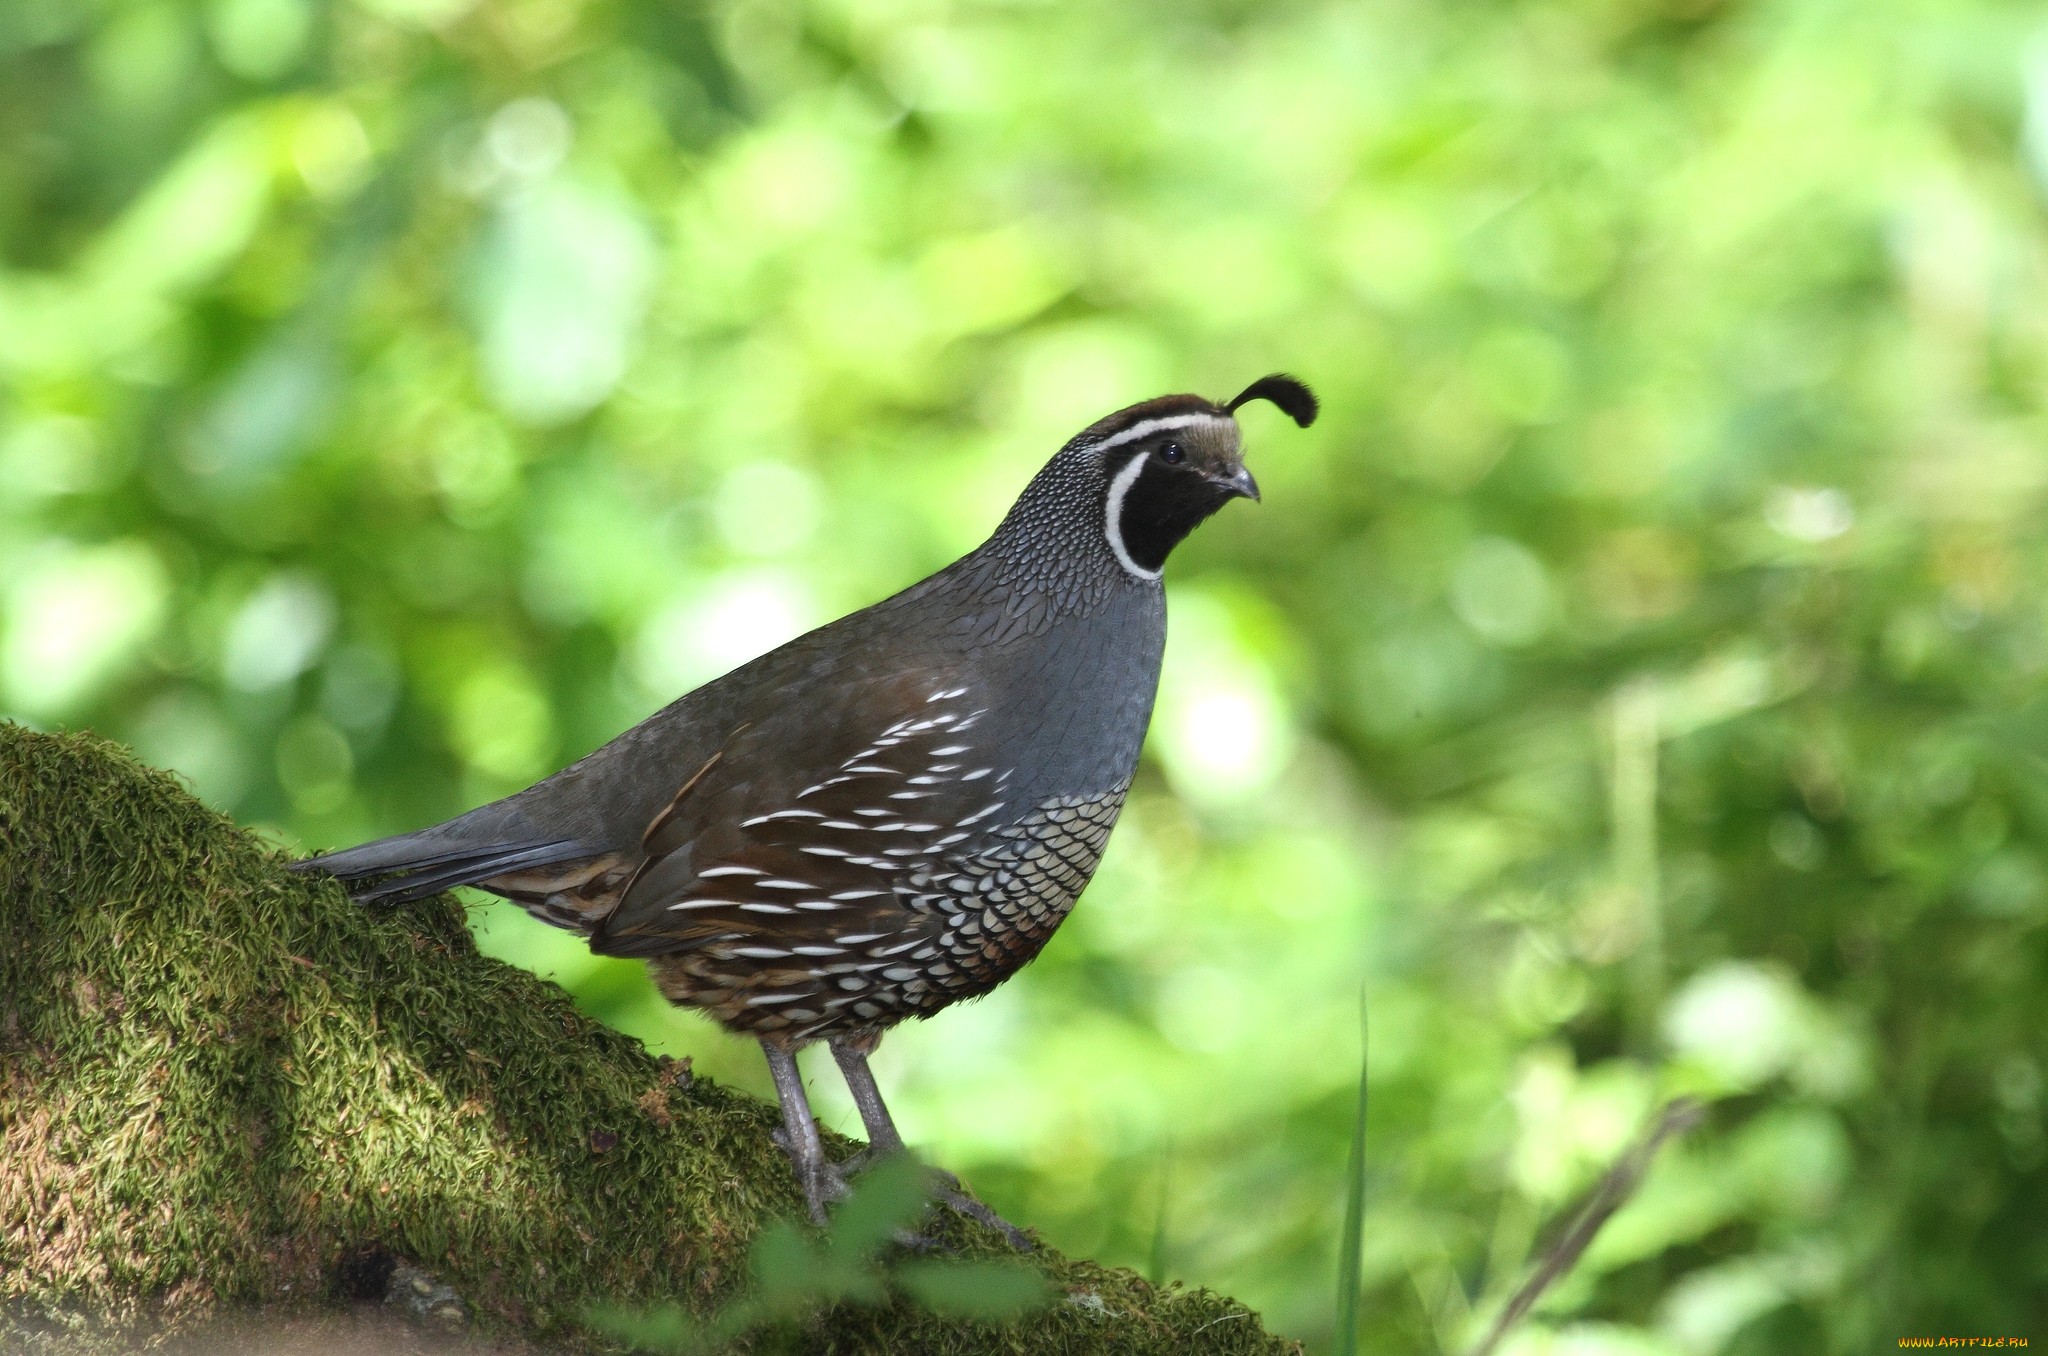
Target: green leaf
{"type": "Point", "coordinates": [885, 1199]}
{"type": "Point", "coordinates": [991, 1291]}
{"type": "Point", "coordinates": [665, 1329]}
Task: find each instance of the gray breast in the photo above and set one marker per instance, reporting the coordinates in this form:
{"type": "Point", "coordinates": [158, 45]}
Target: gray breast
{"type": "Point", "coordinates": [1067, 713]}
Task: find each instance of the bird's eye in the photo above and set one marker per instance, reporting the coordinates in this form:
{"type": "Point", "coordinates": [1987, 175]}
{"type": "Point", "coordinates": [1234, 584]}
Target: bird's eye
{"type": "Point", "coordinates": [1171, 454]}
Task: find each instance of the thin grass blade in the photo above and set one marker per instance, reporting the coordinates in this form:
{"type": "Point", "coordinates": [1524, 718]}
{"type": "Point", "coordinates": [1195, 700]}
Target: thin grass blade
{"type": "Point", "coordinates": [1351, 1250]}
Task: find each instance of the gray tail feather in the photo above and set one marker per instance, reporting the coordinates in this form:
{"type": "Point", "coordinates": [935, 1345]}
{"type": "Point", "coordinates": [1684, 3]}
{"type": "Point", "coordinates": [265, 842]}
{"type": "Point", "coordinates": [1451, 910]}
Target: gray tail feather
{"type": "Point", "coordinates": [415, 865]}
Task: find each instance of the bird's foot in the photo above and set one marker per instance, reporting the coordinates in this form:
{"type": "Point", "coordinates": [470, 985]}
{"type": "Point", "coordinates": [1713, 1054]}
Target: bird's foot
{"type": "Point", "coordinates": [950, 1195]}
{"type": "Point", "coordinates": [828, 1182]}
{"type": "Point", "coordinates": [912, 1241]}
{"type": "Point", "coordinates": [946, 1191]}
{"type": "Point", "coordinates": [853, 1165]}
{"type": "Point", "coordinates": [823, 1182]}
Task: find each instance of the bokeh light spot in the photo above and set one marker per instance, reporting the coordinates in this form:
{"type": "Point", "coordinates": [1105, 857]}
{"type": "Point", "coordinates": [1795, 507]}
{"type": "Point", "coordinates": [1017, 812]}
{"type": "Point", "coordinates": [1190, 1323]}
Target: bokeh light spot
{"type": "Point", "coordinates": [502, 723]}
{"type": "Point", "coordinates": [1809, 514]}
{"type": "Point", "coordinates": [738, 615]}
{"type": "Point", "coordinates": [73, 617]}
{"type": "Point", "coordinates": [1738, 1020]}
{"type": "Point", "coordinates": [1501, 590]}
{"type": "Point", "coordinates": [314, 764]}
{"type": "Point", "coordinates": [563, 274]}
{"type": "Point", "coordinates": [278, 633]}
{"type": "Point", "coordinates": [1219, 727]}
{"type": "Point", "coordinates": [767, 508]}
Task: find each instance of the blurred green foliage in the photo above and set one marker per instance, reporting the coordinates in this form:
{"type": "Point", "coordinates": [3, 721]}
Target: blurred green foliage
{"type": "Point", "coordinates": [1635, 678]}
{"type": "Point", "coordinates": [794, 1278]}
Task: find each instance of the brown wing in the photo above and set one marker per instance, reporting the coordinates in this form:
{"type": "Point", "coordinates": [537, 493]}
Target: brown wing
{"type": "Point", "coordinates": [776, 900]}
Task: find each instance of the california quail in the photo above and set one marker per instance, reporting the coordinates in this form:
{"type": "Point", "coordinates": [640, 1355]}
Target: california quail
{"type": "Point", "coordinates": [893, 812]}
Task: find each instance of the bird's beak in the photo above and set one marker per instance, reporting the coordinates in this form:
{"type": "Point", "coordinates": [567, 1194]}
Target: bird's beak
{"type": "Point", "coordinates": [1239, 485]}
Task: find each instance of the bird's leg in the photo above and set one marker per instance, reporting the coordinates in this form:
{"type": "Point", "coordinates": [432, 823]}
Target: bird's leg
{"type": "Point", "coordinates": [820, 1180]}
{"type": "Point", "coordinates": [884, 1141]}
{"type": "Point", "coordinates": [852, 1055]}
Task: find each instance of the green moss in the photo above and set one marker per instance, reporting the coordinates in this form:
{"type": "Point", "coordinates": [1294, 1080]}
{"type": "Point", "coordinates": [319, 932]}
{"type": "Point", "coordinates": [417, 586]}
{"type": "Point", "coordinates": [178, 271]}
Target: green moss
{"type": "Point", "coordinates": [223, 1081]}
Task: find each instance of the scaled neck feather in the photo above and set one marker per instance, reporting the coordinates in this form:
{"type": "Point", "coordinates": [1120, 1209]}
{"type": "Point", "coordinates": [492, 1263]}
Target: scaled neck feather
{"type": "Point", "coordinates": [1051, 556]}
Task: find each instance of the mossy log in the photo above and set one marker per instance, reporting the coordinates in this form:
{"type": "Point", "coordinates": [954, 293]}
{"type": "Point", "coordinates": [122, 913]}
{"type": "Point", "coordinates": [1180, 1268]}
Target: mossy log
{"type": "Point", "coordinates": [225, 1088]}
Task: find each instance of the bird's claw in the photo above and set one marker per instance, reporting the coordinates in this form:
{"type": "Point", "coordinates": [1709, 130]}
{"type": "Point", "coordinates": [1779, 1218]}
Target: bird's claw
{"type": "Point", "coordinates": [830, 1183]}
{"type": "Point", "coordinates": [946, 1191]}
{"type": "Point", "coordinates": [961, 1203]}
{"type": "Point", "coordinates": [822, 1184]}
{"type": "Point", "coordinates": [821, 1188]}
{"type": "Point", "coordinates": [911, 1241]}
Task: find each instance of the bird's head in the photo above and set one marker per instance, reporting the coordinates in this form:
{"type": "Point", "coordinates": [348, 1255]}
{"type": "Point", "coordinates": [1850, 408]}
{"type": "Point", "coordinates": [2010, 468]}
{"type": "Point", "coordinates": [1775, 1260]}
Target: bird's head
{"type": "Point", "coordinates": [1166, 464]}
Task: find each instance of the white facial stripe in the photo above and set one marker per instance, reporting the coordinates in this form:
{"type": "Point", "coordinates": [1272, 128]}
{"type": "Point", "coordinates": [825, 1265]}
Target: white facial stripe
{"type": "Point", "coordinates": [1112, 525]}
{"type": "Point", "coordinates": [1147, 427]}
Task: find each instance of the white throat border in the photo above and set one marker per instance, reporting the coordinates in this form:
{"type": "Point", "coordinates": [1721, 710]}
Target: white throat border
{"type": "Point", "coordinates": [1113, 513]}
{"type": "Point", "coordinates": [1113, 509]}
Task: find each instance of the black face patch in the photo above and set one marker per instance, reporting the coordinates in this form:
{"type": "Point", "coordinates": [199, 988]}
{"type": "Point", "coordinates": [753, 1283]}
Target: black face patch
{"type": "Point", "coordinates": [1163, 505]}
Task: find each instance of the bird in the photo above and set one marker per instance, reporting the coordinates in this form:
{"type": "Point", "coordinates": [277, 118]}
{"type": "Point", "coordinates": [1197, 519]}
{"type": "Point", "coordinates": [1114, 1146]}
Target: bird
{"type": "Point", "coordinates": [889, 814]}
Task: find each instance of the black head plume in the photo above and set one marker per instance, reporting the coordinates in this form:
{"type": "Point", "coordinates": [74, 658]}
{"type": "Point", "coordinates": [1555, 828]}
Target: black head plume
{"type": "Point", "coordinates": [1293, 397]}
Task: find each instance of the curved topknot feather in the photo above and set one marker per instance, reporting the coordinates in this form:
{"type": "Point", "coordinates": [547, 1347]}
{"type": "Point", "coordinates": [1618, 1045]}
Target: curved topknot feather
{"type": "Point", "coordinates": [1291, 394]}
